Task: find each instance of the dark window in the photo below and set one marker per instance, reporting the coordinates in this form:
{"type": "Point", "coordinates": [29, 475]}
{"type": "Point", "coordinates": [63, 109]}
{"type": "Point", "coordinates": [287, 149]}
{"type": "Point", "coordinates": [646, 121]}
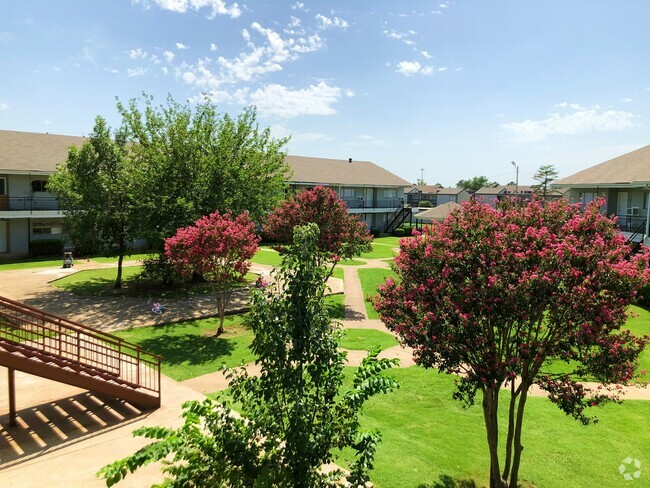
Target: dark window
{"type": "Point", "coordinates": [3, 186]}
{"type": "Point", "coordinates": [39, 185]}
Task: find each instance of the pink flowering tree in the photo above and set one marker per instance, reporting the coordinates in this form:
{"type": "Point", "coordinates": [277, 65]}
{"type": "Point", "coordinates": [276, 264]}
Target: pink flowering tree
{"type": "Point", "coordinates": [217, 247]}
{"type": "Point", "coordinates": [497, 295]}
{"type": "Point", "coordinates": [342, 235]}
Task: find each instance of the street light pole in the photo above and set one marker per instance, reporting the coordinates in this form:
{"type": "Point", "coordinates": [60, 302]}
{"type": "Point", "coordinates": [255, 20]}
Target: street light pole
{"type": "Point", "coordinates": [516, 179]}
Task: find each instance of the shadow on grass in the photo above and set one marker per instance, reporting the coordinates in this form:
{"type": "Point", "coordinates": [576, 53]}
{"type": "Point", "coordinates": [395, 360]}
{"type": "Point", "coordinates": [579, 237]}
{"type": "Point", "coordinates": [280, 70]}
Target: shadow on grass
{"type": "Point", "coordinates": [192, 349]}
{"type": "Point", "coordinates": [447, 481]}
{"type": "Point", "coordinates": [336, 309]}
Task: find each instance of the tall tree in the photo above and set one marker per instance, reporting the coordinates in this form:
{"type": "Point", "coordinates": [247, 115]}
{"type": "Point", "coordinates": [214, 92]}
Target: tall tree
{"type": "Point", "coordinates": [475, 183]}
{"type": "Point", "coordinates": [498, 295]}
{"type": "Point", "coordinates": [342, 235]}
{"type": "Point", "coordinates": [294, 415]}
{"type": "Point", "coordinates": [96, 189]}
{"type": "Point", "coordinates": [545, 175]}
{"type": "Point", "coordinates": [218, 248]}
{"type": "Point", "coordinates": [193, 161]}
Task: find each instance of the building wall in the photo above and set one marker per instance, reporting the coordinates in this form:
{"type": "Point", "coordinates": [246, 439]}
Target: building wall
{"type": "Point", "coordinates": [18, 237]}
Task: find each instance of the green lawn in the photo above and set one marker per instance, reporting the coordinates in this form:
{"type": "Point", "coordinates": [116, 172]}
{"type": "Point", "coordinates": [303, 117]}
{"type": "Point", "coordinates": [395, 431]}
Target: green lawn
{"type": "Point", "coordinates": [189, 349]}
{"type": "Point", "coordinates": [29, 263]}
{"type": "Point", "coordinates": [336, 305]}
{"type": "Point", "coordinates": [268, 256]}
{"type": "Point", "coordinates": [113, 259]}
{"type": "Point", "coordinates": [426, 435]}
{"type": "Point", "coordinates": [380, 251]}
{"type": "Point", "coordinates": [639, 325]}
{"type": "Point", "coordinates": [389, 241]}
{"type": "Point", "coordinates": [352, 262]}
{"type": "Point", "coordinates": [100, 283]}
{"type": "Point", "coordinates": [370, 278]}
{"type": "Point", "coordinates": [365, 339]}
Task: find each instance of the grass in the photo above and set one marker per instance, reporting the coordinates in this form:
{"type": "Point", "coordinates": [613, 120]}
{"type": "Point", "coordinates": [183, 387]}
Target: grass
{"type": "Point", "coordinates": [365, 339]}
{"type": "Point", "coordinates": [114, 259]}
{"type": "Point", "coordinates": [379, 251]}
{"type": "Point", "coordinates": [428, 438]}
{"type": "Point", "coordinates": [352, 262]}
{"type": "Point", "coordinates": [268, 256]}
{"type": "Point", "coordinates": [336, 306]}
{"type": "Point", "coordinates": [639, 325]}
{"type": "Point", "coordinates": [100, 283]}
{"type": "Point", "coordinates": [370, 278]}
{"type": "Point", "coordinates": [29, 263]}
{"type": "Point", "coordinates": [189, 349]}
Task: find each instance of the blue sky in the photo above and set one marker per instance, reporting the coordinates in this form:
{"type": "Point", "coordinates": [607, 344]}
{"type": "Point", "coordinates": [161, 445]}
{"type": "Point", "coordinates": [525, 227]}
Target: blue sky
{"type": "Point", "coordinates": [459, 88]}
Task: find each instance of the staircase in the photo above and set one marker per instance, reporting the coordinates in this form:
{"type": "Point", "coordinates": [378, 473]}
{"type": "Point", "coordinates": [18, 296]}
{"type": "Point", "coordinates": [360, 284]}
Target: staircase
{"type": "Point", "coordinates": [397, 219]}
{"type": "Point", "coordinates": [45, 345]}
{"type": "Point", "coordinates": [635, 240]}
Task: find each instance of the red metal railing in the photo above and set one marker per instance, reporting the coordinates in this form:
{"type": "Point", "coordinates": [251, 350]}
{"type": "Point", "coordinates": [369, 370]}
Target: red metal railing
{"type": "Point", "coordinates": [78, 346]}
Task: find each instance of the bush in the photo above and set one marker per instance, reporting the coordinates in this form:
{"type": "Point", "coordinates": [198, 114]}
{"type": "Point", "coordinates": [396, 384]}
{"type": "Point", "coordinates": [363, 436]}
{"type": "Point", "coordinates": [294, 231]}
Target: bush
{"type": "Point", "coordinates": [160, 269]}
{"type": "Point", "coordinates": [375, 232]}
{"type": "Point", "coordinates": [425, 204]}
{"type": "Point", "coordinates": [643, 297]}
{"type": "Point", "coordinates": [408, 230]}
{"type": "Point", "coordinates": [398, 232]}
{"type": "Point", "coordinates": [46, 247]}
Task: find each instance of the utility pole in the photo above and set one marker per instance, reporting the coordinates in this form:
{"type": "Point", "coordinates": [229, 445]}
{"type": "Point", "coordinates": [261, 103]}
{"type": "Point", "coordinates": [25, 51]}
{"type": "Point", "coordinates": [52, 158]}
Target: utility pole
{"type": "Point", "coordinates": [516, 179]}
{"type": "Point", "coordinates": [421, 174]}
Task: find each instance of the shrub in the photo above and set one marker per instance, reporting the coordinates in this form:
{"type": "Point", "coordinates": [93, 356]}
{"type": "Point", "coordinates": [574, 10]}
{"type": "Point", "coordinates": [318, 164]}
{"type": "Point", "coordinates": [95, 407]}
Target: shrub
{"type": "Point", "coordinates": [375, 232]}
{"type": "Point", "coordinates": [160, 269]}
{"type": "Point", "coordinates": [46, 247]}
{"type": "Point", "coordinates": [408, 230]}
{"type": "Point", "coordinates": [425, 204]}
{"type": "Point", "coordinates": [398, 232]}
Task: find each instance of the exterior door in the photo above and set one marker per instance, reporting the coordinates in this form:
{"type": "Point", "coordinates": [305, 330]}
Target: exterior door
{"type": "Point", "coordinates": [3, 236]}
{"type": "Point", "coordinates": [621, 209]}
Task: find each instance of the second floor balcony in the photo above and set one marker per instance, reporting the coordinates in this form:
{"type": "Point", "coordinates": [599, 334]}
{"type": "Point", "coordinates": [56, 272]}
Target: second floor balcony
{"type": "Point", "coordinates": [30, 204]}
{"type": "Point", "coordinates": [374, 203]}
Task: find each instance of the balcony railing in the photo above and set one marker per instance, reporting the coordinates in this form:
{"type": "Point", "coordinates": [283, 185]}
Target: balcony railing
{"type": "Point", "coordinates": [28, 203]}
{"type": "Point", "coordinates": [370, 203]}
{"type": "Point", "coordinates": [630, 223]}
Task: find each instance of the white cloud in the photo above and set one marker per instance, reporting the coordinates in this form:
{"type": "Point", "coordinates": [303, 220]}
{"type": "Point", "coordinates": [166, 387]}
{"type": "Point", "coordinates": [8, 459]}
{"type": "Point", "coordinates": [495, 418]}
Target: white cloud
{"type": "Point", "coordinates": [298, 6]}
{"type": "Point", "coordinates": [349, 93]}
{"type": "Point", "coordinates": [326, 22]}
{"type": "Point", "coordinates": [180, 46]}
{"type": "Point", "coordinates": [164, 70]}
{"type": "Point", "coordinates": [188, 77]}
{"type": "Point", "coordinates": [425, 55]}
{"type": "Point", "coordinates": [573, 106]}
{"type": "Point", "coordinates": [218, 7]}
{"type": "Point", "coordinates": [4, 106]}
{"type": "Point", "coordinates": [627, 100]}
{"type": "Point", "coordinates": [442, 69]}
{"type": "Point", "coordinates": [280, 101]}
{"type": "Point", "coordinates": [213, 47]}
{"type": "Point", "coordinates": [410, 68]}
{"type": "Point", "coordinates": [138, 53]}
{"type": "Point", "coordinates": [139, 71]}
{"type": "Point", "coordinates": [578, 122]}
{"type": "Point", "coordinates": [169, 56]}
{"type": "Point", "coordinates": [47, 122]}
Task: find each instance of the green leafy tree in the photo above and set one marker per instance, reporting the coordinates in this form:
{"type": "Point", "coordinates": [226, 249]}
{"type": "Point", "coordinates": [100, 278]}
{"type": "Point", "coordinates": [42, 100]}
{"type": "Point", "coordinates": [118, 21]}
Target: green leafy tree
{"type": "Point", "coordinates": [95, 188]}
{"type": "Point", "coordinates": [473, 184]}
{"type": "Point", "coordinates": [545, 175]}
{"type": "Point", "coordinates": [193, 161]}
{"type": "Point", "coordinates": [294, 415]}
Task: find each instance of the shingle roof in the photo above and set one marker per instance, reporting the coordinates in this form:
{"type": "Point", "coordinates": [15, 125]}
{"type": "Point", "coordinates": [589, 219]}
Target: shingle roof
{"type": "Point", "coordinates": [630, 168]}
{"type": "Point", "coordinates": [506, 189]}
{"type": "Point", "coordinates": [439, 213]}
{"type": "Point", "coordinates": [450, 191]}
{"type": "Point", "coordinates": [30, 151]}
{"type": "Point", "coordinates": [341, 172]}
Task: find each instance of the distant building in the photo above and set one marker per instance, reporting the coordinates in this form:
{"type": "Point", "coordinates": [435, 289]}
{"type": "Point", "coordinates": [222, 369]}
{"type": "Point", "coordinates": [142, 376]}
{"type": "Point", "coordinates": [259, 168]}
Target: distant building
{"type": "Point", "coordinates": [491, 195]}
{"type": "Point", "coordinates": [435, 194]}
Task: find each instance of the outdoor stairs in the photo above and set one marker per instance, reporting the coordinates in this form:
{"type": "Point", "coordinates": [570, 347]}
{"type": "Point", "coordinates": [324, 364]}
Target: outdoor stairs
{"type": "Point", "coordinates": [45, 345]}
{"type": "Point", "coordinates": [635, 239]}
{"type": "Point", "coordinates": [397, 219]}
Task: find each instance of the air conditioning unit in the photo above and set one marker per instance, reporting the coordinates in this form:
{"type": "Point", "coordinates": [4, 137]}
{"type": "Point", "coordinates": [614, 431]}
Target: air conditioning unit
{"type": "Point", "coordinates": [633, 211]}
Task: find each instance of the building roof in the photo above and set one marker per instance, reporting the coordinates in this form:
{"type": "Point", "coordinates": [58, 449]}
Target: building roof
{"type": "Point", "coordinates": [426, 188]}
{"type": "Point", "coordinates": [450, 191]}
{"type": "Point", "coordinates": [25, 152]}
{"type": "Point", "coordinates": [340, 172]}
{"type": "Point", "coordinates": [439, 213]}
{"type": "Point", "coordinates": [504, 190]}
{"type": "Point", "coordinates": [628, 169]}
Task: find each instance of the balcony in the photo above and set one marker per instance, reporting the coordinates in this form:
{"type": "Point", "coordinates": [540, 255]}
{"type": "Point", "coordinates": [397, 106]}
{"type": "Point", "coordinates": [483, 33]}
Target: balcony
{"type": "Point", "coordinates": [28, 204]}
{"type": "Point", "coordinates": [630, 223]}
{"type": "Point", "coordinates": [371, 204]}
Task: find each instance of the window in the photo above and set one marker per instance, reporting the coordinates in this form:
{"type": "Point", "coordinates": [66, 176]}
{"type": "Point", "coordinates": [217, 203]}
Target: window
{"type": "Point", "coordinates": [348, 193]}
{"type": "Point", "coordinates": [39, 185]}
{"type": "Point", "coordinates": [46, 229]}
{"type": "Point", "coordinates": [3, 185]}
{"type": "Point", "coordinates": [390, 193]}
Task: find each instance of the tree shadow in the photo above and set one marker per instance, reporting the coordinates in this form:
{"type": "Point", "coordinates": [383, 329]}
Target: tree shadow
{"type": "Point", "coordinates": [192, 349]}
{"type": "Point", "coordinates": [447, 481]}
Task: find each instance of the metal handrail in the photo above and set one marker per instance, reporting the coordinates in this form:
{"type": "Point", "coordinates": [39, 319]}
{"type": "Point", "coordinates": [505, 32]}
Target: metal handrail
{"type": "Point", "coordinates": [29, 203]}
{"type": "Point", "coordinates": [64, 339]}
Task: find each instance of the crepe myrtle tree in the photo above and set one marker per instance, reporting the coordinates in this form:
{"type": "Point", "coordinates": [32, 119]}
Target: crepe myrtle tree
{"type": "Point", "coordinates": [218, 248]}
{"type": "Point", "coordinates": [496, 295]}
{"type": "Point", "coordinates": [342, 235]}
{"type": "Point", "coordinates": [294, 416]}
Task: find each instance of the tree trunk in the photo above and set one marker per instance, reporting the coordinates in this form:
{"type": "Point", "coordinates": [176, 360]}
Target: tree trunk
{"type": "Point", "coordinates": [490, 414]}
{"type": "Point", "coordinates": [511, 430]}
{"type": "Point", "coordinates": [516, 461]}
{"type": "Point", "coordinates": [221, 308]}
{"type": "Point", "coordinates": [121, 250]}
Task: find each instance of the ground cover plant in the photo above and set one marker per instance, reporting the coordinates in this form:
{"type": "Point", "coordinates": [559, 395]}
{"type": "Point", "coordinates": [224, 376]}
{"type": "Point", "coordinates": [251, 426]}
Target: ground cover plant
{"type": "Point", "coordinates": [493, 294]}
{"type": "Point", "coordinates": [190, 349]}
{"type": "Point", "coordinates": [293, 416]}
{"type": "Point", "coordinates": [367, 339]}
{"type": "Point", "coordinates": [370, 279]}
